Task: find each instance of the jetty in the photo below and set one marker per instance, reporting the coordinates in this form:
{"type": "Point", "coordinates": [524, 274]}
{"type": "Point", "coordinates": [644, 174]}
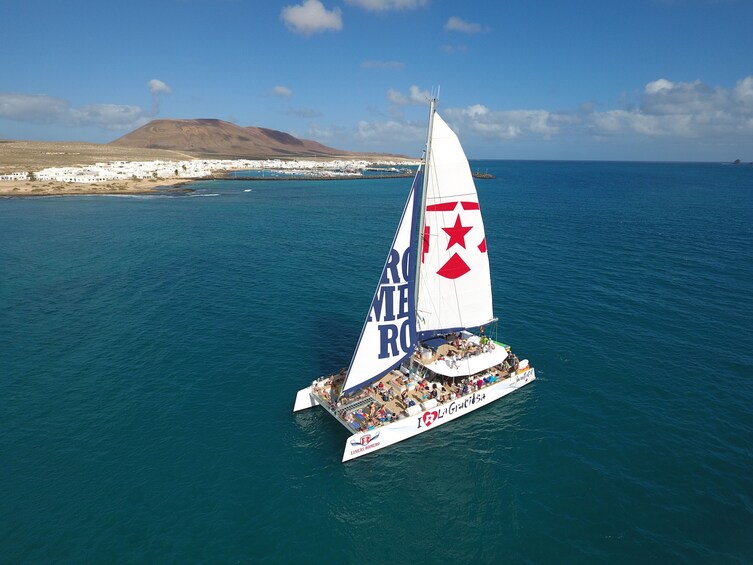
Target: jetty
{"type": "Point", "coordinates": [312, 177]}
{"type": "Point", "coordinates": [231, 176]}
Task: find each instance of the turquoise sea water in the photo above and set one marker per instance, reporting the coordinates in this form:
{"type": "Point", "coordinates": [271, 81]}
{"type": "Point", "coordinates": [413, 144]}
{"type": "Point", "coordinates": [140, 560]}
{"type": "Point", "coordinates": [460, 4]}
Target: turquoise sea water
{"type": "Point", "coordinates": [151, 348]}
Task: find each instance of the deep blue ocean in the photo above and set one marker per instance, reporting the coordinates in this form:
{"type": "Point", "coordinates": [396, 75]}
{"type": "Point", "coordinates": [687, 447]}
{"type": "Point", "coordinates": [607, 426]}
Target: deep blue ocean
{"type": "Point", "coordinates": [151, 349]}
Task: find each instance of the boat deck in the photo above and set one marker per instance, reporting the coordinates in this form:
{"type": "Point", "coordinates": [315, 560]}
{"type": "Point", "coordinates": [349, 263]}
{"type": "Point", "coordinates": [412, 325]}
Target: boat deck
{"type": "Point", "coordinates": [401, 393]}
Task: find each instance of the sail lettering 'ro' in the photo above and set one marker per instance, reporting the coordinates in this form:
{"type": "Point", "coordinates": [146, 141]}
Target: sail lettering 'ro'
{"type": "Point", "coordinates": [389, 332]}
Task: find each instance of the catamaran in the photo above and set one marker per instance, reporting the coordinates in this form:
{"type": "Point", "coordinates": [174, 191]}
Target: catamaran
{"type": "Point", "coordinates": [425, 355]}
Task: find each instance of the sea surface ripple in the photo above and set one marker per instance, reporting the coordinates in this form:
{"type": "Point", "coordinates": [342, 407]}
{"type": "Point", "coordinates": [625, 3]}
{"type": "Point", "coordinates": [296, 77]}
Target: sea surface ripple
{"type": "Point", "coordinates": [152, 348]}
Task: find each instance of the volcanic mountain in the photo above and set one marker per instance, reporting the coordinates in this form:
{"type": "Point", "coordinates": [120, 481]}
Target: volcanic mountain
{"type": "Point", "coordinates": [220, 139]}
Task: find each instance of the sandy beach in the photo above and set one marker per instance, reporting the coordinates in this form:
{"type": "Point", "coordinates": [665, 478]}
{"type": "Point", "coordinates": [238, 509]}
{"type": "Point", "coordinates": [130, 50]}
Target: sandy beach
{"type": "Point", "coordinates": [25, 188]}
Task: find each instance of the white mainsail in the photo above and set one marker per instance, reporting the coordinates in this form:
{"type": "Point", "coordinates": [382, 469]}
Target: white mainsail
{"type": "Point", "coordinates": [389, 332]}
{"type": "Point", "coordinates": [454, 289]}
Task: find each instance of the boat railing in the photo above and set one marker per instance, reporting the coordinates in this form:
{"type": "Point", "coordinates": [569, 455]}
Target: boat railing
{"type": "Point", "coordinates": [360, 403]}
{"type": "Point", "coordinates": [418, 372]}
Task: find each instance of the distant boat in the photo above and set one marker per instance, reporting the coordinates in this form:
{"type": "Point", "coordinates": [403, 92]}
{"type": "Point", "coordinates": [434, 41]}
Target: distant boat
{"type": "Point", "coordinates": [417, 365]}
{"type": "Point", "coordinates": [382, 169]}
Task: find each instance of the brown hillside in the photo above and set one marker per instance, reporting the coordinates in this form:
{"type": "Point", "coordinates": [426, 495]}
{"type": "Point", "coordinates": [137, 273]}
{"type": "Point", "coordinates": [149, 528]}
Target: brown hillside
{"type": "Point", "coordinates": [220, 139]}
{"type": "Point", "coordinates": [17, 156]}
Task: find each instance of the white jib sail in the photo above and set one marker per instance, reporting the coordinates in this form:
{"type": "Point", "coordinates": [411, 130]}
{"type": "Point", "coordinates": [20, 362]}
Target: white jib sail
{"type": "Point", "coordinates": [454, 285]}
{"type": "Point", "coordinates": [389, 332]}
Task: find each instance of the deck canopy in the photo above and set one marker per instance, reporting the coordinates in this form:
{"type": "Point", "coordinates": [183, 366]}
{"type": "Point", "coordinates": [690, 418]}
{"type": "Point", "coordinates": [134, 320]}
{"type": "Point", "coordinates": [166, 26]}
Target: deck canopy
{"type": "Point", "coordinates": [470, 365]}
{"type": "Point", "coordinates": [434, 342]}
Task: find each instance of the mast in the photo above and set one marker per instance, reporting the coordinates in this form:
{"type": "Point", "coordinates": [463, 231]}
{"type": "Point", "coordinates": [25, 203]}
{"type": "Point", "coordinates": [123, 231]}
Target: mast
{"type": "Point", "coordinates": [427, 153]}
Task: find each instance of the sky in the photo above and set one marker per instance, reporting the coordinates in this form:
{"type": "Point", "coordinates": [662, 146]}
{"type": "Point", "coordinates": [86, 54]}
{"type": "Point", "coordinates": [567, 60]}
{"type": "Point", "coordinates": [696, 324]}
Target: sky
{"type": "Point", "coordinates": [645, 80]}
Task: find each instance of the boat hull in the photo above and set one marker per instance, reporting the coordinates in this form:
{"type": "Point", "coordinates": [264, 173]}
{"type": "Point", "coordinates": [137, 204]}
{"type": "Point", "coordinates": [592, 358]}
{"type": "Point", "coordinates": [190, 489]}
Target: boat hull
{"type": "Point", "coordinates": [304, 399]}
{"type": "Point", "coordinates": [363, 443]}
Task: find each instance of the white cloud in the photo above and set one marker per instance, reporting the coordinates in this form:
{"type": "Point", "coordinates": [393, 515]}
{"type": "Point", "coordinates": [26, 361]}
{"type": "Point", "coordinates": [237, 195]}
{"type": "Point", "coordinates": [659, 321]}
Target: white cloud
{"type": "Point", "coordinates": [110, 116]}
{"type": "Point", "coordinates": [690, 119]}
{"type": "Point", "coordinates": [665, 109]}
{"type": "Point", "coordinates": [156, 86]}
{"type": "Point", "coordinates": [658, 86]}
{"type": "Point", "coordinates": [743, 92]}
{"type": "Point", "coordinates": [326, 135]}
{"type": "Point", "coordinates": [506, 124]}
{"type": "Point", "coordinates": [635, 122]}
{"type": "Point", "coordinates": [282, 92]}
{"type": "Point", "coordinates": [44, 109]}
{"type": "Point", "coordinates": [391, 133]}
{"type": "Point", "coordinates": [664, 97]}
{"type": "Point", "coordinates": [684, 110]}
{"type": "Point", "coordinates": [457, 24]}
{"type": "Point", "coordinates": [35, 108]}
{"type": "Point", "coordinates": [414, 97]}
{"type": "Point", "coordinates": [388, 5]}
{"type": "Point", "coordinates": [311, 17]}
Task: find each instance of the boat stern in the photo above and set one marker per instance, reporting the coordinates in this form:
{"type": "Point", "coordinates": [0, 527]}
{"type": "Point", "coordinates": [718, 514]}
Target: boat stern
{"type": "Point", "coordinates": [304, 399]}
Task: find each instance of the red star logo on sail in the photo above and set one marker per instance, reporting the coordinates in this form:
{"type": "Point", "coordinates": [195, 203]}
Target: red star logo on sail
{"type": "Point", "coordinates": [457, 233]}
{"type": "Point", "coordinates": [454, 268]}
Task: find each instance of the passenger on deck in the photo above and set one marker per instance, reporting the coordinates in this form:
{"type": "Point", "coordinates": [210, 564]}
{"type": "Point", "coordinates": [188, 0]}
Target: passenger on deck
{"type": "Point", "coordinates": [453, 361]}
